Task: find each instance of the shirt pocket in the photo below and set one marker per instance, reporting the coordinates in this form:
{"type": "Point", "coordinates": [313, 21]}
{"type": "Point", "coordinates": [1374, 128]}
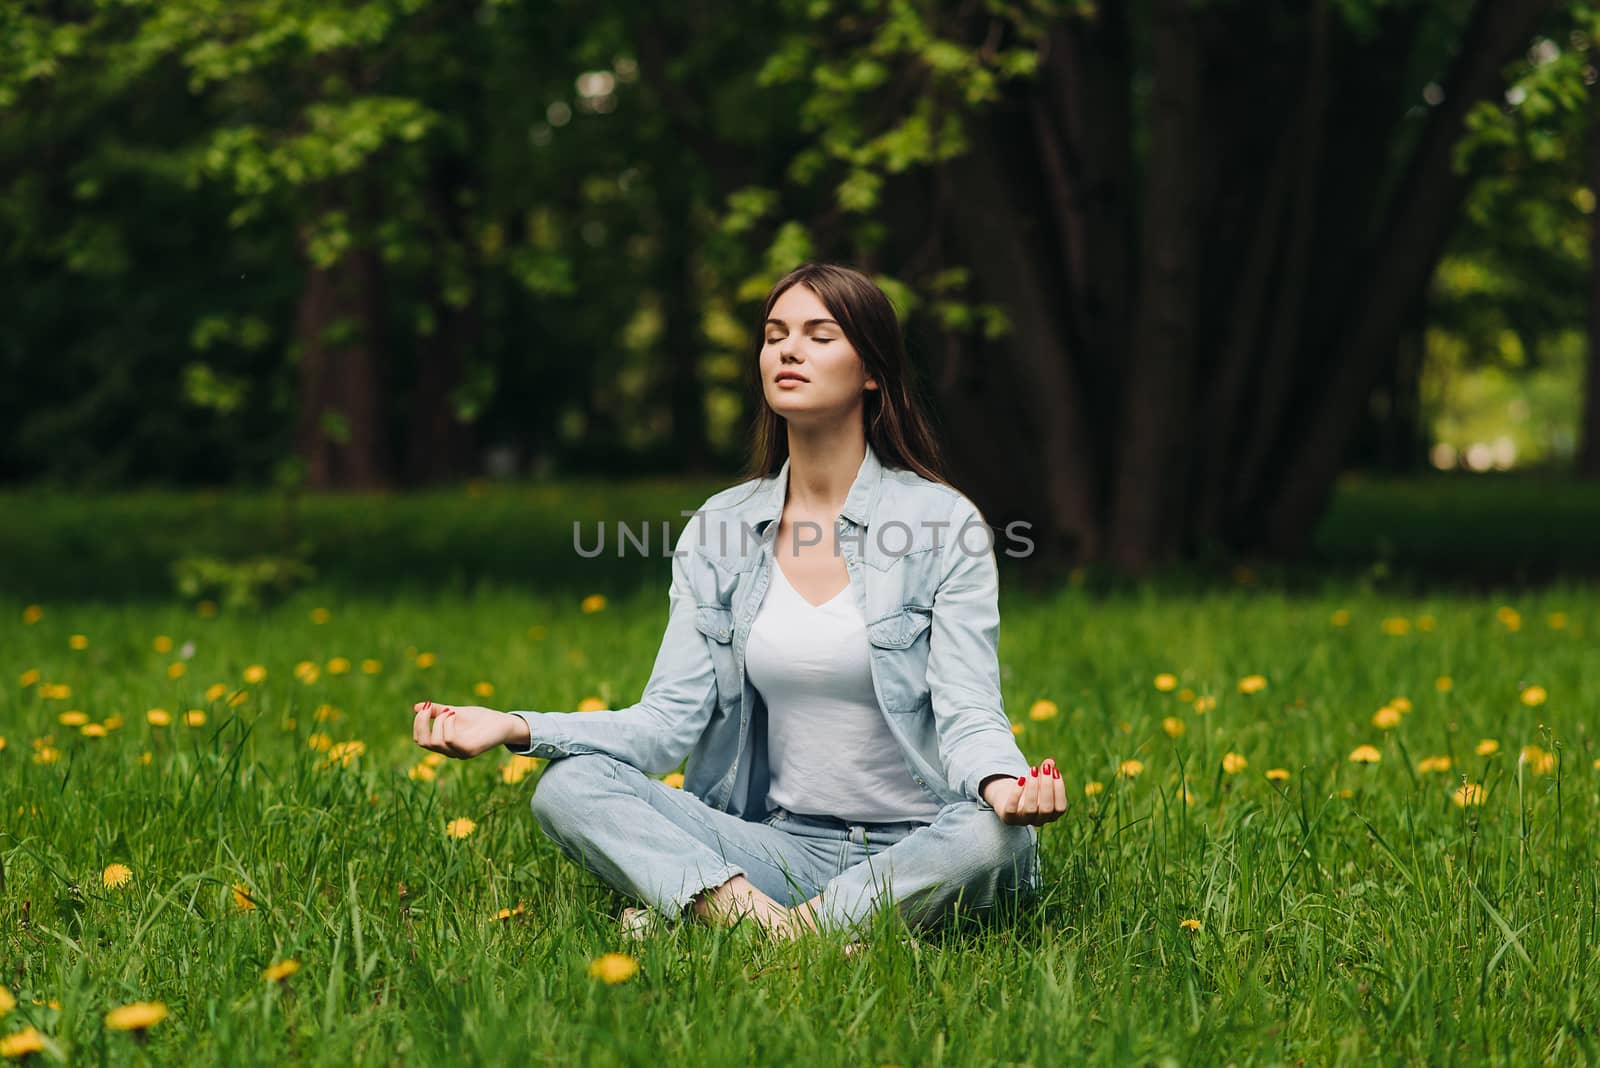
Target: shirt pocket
{"type": "Point", "coordinates": [900, 654]}
{"type": "Point", "coordinates": [716, 623]}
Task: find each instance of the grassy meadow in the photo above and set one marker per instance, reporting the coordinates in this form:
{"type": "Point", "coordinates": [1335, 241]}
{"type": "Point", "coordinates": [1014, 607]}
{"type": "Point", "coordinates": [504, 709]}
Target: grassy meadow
{"type": "Point", "coordinates": [1335, 815]}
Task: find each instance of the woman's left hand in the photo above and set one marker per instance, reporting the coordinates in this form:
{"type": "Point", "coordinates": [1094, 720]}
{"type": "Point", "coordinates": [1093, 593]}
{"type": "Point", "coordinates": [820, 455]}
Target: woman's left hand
{"type": "Point", "coordinates": [1038, 798]}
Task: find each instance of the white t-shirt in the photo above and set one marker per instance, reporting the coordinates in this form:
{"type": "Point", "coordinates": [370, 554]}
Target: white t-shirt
{"type": "Point", "coordinates": [828, 746]}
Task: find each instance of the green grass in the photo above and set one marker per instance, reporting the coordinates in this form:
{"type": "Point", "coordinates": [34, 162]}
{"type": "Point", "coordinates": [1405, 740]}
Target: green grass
{"type": "Point", "coordinates": [1351, 914]}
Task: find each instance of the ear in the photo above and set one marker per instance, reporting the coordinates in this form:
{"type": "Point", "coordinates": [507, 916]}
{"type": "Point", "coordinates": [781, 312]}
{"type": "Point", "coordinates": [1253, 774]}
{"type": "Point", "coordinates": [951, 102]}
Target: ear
{"type": "Point", "coordinates": [870, 384]}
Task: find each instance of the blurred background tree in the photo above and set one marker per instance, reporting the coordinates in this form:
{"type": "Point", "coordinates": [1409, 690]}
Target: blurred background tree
{"type": "Point", "coordinates": [1167, 268]}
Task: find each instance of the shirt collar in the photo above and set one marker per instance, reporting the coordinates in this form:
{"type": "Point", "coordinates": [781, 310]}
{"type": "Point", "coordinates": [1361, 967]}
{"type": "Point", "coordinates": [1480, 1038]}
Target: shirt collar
{"type": "Point", "coordinates": [857, 503]}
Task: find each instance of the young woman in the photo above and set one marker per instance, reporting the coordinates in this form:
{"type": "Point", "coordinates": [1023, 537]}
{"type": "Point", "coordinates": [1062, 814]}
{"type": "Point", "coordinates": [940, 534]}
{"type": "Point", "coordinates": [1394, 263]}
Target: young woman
{"type": "Point", "coordinates": [829, 668]}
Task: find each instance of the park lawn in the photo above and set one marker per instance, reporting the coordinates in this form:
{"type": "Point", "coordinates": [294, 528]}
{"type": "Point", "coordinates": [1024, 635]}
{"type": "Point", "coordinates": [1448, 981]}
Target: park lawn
{"type": "Point", "coordinates": [1350, 912]}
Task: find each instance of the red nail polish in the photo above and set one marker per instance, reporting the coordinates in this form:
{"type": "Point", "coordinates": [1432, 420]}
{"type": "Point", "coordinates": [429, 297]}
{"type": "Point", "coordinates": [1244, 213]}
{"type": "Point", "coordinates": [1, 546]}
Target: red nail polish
{"type": "Point", "coordinates": [1034, 772]}
{"type": "Point", "coordinates": [1057, 771]}
{"type": "Point", "coordinates": [1022, 780]}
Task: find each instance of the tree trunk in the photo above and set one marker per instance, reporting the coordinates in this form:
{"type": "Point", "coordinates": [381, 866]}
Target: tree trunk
{"type": "Point", "coordinates": [340, 434]}
{"type": "Point", "coordinates": [1417, 225]}
{"type": "Point", "coordinates": [1589, 432]}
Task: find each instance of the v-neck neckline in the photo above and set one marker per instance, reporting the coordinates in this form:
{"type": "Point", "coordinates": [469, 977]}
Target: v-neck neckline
{"type": "Point", "coordinates": [802, 597]}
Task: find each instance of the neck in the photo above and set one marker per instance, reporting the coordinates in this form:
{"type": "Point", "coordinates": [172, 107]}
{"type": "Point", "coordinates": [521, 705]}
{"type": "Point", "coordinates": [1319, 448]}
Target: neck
{"type": "Point", "coordinates": [822, 467]}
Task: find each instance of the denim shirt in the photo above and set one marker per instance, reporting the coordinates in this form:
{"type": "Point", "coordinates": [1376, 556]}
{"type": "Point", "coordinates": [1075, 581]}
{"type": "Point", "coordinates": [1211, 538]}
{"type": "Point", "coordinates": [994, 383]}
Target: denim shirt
{"type": "Point", "coordinates": [922, 571]}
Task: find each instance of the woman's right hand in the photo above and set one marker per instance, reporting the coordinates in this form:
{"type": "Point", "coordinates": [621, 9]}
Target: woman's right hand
{"type": "Point", "coordinates": [460, 731]}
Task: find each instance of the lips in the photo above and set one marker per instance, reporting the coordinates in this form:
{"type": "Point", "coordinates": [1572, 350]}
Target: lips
{"type": "Point", "coordinates": [786, 375]}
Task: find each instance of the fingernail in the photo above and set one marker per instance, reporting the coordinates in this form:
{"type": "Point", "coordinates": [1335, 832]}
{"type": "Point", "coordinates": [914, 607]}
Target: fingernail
{"type": "Point", "coordinates": [1034, 772]}
{"type": "Point", "coordinates": [1022, 780]}
{"type": "Point", "coordinates": [1057, 772]}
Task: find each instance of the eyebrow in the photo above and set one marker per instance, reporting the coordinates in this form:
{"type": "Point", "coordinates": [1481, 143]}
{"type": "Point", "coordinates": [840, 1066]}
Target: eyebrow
{"type": "Point", "coordinates": [808, 322]}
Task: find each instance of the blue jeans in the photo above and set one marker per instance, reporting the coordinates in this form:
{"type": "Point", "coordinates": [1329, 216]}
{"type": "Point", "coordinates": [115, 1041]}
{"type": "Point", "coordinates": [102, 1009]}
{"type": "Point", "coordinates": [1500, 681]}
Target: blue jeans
{"type": "Point", "coordinates": [664, 845]}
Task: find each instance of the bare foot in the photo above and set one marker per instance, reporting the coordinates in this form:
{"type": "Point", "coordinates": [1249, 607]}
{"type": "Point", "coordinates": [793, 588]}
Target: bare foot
{"type": "Point", "coordinates": [738, 899]}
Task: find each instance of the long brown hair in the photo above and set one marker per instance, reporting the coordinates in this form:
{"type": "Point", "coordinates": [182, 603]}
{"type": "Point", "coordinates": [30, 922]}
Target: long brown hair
{"type": "Point", "coordinates": [892, 415]}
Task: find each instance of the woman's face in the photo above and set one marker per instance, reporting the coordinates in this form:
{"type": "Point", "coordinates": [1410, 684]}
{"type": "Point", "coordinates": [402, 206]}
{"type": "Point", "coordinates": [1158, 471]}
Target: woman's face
{"type": "Point", "coordinates": [823, 374]}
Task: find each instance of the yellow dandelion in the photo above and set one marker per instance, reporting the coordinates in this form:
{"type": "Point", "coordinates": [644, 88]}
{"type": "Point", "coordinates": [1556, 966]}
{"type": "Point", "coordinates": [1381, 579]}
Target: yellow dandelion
{"type": "Point", "coordinates": [1487, 747]}
{"type": "Point", "coordinates": [1016, 728]}
{"type": "Point", "coordinates": [146, 756]}
{"type": "Point", "coordinates": [326, 713]}
{"type": "Point", "coordinates": [593, 603]}
{"type": "Point", "coordinates": [161, 643]}
{"type": "Point", "coordinates": [1190, 924]}
{"type": "Point", "coordinates": [1173, 726]}
{"type": "Point", "coordinates": [1538, 761]}
{"type": "Point", "coordinates": [1396, 626]}
{"type": "Point", "coordinates": [342, 753]}
{"type": "Point", "coordinates": [216, 691]}
{"type": "Point", "coordinates": [1043, 709]}
{"type": "Point", "coordinates": [1091, 789]}
{"type": "Point", "coordinates": [433, 760]}
{"type": "Point", "coordinates": [1400, 704]}
{"type": "Point", "coordinates": [59, 691]}
{"type": "Point", "coordinates": [8, 1001]}
{"type": "Point", "coordinates": [1340, 618]}
{"type": "Point", "coordinates": [591, 704]}
{"type": "Point", "coordinates": [1252, 684]}
{"type": "Point", "coordinates": [1557, 620]}
{"type": "Point", "coordinates": [206, 609]}
{"type": "Point", "coordinates": [483, 689]}
{"type": "Point", "coordinates": [319, 741]}
{"type": "Point", "coordinates": [1365, 754]}
{"type": "Point", "coordinates": [1426, 623]}
{"type": "Point", "coordinates": [307, 671]}
{"type": "Point", "coordinates": [1130, 769]}
{"type": "Point", "coordinates": [1188, 798]}
{"type": "Point", "coordinates": [73, 718]}
{"type": "Point", "coordinates": [517, 768]}
{"type": "Point", "coordinates": [1509, 617]}
{"type": "Point", "coordinates": [1204, 704]}
{"type": "Point", "coordinates": [195, 717]}
{"type": "Point", "coordinates": [320, 616]}
{"type": "Point", "coordinates": [21, 1043]}
{"type": "Point", "coordinates": [2, 743]}
{"type": "Point", "coordinates": [1166, 682]}
{"type": "Point", "coordinates": [28, 678]}
{"type": "Point", "coordinates": [116, 876]}
{"type": "Point", "coordinates": [93, 730]}
{"type": "Point", "coordinates": [46, 754]}
{"type": "Point", "coordinates": [1386, 718]}
{"type": "Point", "coordinates": [1468, 794]}
{"type": "Point", "coordinates": [1533, 695]}
{"type": "Point", "coordinates": [79, 641]}
{"type": "Point", "coordinates": [673, 779]}
{"type": "Point", "coordinates": [372, 667]}
{"type": "Point", "coordinates": [1444, 684]}
{"type": "Point", "coordinates": [176, 669]}
{"type": "Point", "coordinates": [338, 665]}
{"type": "Point", "coordinates": [422, 773]}
{"type": "Point", "coordinates": [460, 827]}
{"type": "Point", "coordinates": [506, 914]}
{"type": "Point", "coordinates": [137, 1016]}
{"type": "Point", "coordinates": [1233, 763]}
{"type": "Point", "coordinates": [1433, 763]}
{"type": "Point", "coordinates": [238, 698]}
{"type": "Point", "coordinates": [613, 968]}
{"type": "Point", "coordinates": [242, 899]}
{"type": "Point", "coordinates": [426, 660]}
{"type": "Point", "coordinates": [1277, 774]}
{"type": "Point", "coordinates": [1186, 695]}
{"type": "Point", "coordinates": [32, 614]}
{"type": "Point", "coordinates": [1597, 764]}
{"type": "Point", "coordinates": [278, 971]}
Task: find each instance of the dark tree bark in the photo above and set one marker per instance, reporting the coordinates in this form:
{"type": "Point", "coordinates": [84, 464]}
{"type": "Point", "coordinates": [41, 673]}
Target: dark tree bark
{"type": "Point", "coordinates": [1267, 276]}
{"type": "Point", "coordinates": [1589, 432]}
{"type": "Point", "coordinates": [339, 333]}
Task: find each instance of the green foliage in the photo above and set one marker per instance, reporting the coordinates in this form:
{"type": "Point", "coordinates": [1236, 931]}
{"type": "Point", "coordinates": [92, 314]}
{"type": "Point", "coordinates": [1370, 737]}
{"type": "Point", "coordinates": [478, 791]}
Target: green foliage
{"type": "Point", "coordinates": [241, 585]}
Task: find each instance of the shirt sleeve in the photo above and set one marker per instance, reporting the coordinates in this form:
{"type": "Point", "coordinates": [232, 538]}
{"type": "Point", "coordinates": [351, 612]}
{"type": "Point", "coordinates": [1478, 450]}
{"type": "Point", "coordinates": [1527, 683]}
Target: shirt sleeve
{"type": "Point", "coordinates": [658, 731]}
{"type": "Point", "coordinates": [975, 739]}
